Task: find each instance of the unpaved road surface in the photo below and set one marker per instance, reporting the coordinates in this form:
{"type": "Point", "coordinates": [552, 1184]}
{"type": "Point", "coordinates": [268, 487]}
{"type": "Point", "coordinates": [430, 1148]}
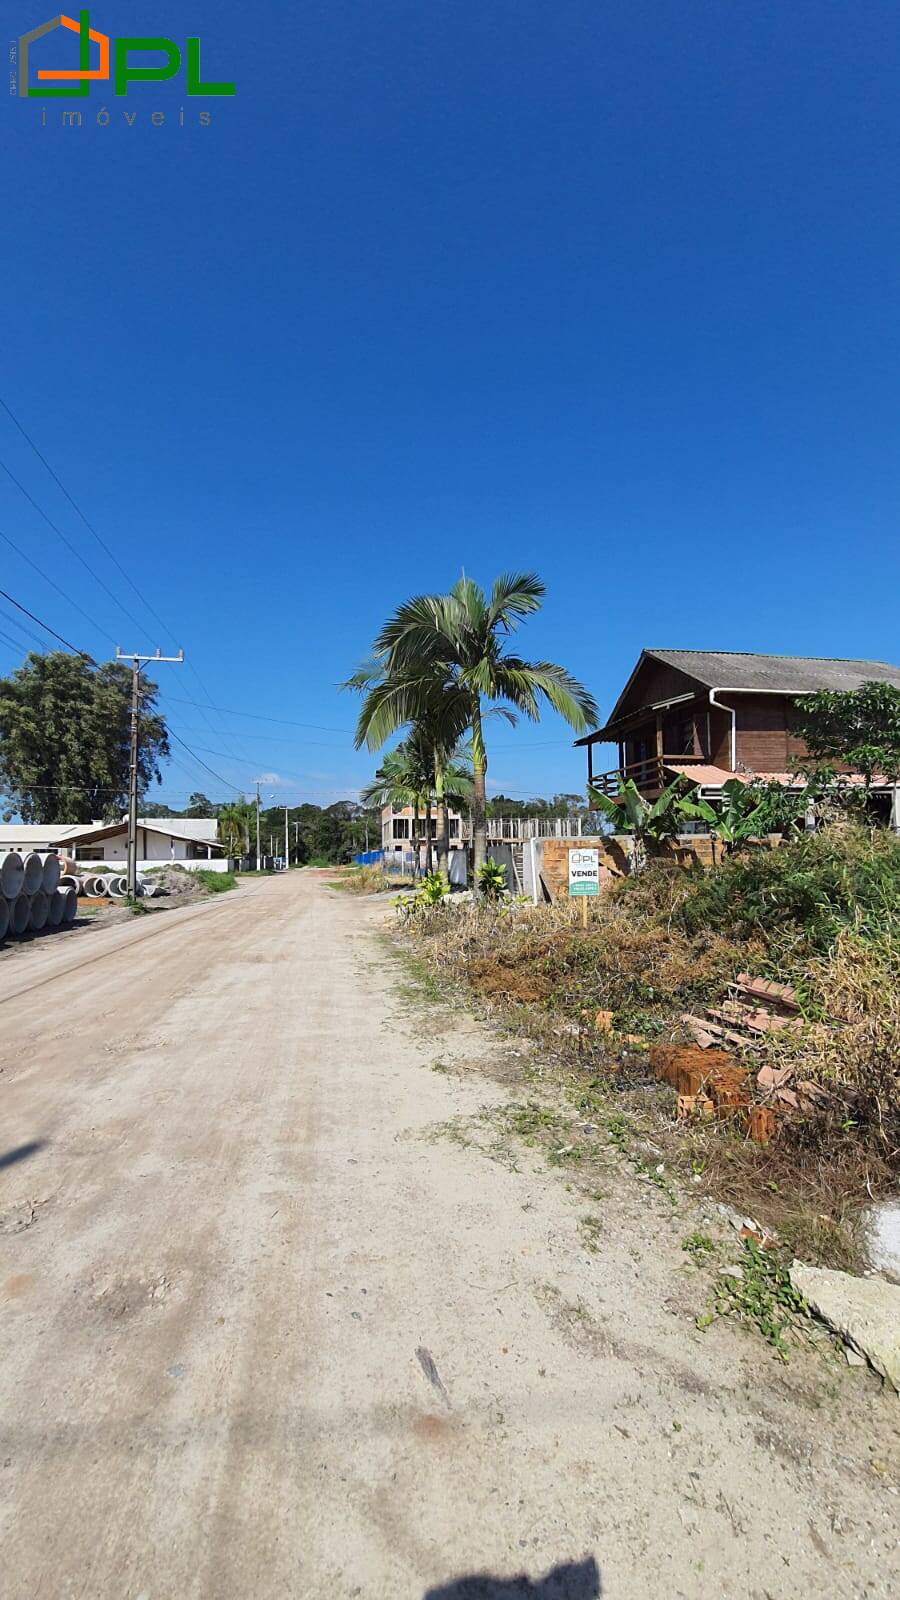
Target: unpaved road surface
{"type": "Point", "coordinates": [268, 1331]}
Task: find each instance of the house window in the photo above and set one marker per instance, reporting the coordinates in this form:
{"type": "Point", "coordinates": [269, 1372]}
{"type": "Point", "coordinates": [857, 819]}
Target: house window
{"type": "Point", "coordinates": [88, 852]}
{"type": "Point", "coordinates": [401, 827]}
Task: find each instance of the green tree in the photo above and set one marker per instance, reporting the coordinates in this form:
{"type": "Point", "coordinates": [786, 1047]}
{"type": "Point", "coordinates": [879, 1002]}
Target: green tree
{"type": "Point", "coordinates": [748, 810]}
{"type": "Point", "coordinates": [648, 823]}
{"type": "Point", "coordinates": [64, 739]}
{"type": "Point", "coordinates": [459, 640]}
{"type": "Point", "coordinates": [858, 728]}
{"type": "Point", "coordinates": [407, 777]}
{"type": "Point", "coordinates": [237, 820]}
{"type": "Point", "coordinates": [435, 709]}
{"type": "Point", "coordinates": [199, 806]}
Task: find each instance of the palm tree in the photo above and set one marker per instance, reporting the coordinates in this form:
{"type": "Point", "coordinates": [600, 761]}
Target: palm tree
{"type": "Point", "coordinates": [406, 777]}
{"type": "Point", "coordinates": [458, 640]}
{"type": "Point", "coordinates": [234, 827]}
{"type": "Point", "coordinates": [439, 714]}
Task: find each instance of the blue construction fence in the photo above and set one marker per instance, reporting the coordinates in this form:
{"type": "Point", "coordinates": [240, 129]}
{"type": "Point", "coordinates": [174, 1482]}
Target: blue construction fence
{"type": "Point", "coordinates": [369, 858]}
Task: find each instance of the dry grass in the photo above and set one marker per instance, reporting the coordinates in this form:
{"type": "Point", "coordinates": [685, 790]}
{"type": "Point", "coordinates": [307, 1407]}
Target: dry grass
{"type": "Point", "coordinates": [645, 972]}
{"type": "Point", "coordinates": [850, 1044]}
{"type": "Point", "coordinates": [362, 880]}
{"type": "Point", "coordinates": [825, 917]}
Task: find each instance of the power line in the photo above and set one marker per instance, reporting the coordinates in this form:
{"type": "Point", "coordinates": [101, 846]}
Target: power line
{"type": "Point", "coordinates": [217, 775]}
{"type": "Point", "coordinates": [257, 716]}
{"type": "Point", "coordinates": [88, 524]}
{"type": "Point", "coordinates": [46, 627]}
{"type": "Point", "coordinates": [26, 632]}
{"type": "Point", "coordinates": [68, 544]}
{"type": "Point", "coordinates": [15, 643]}
{"type": "Point", "coordinates": [108, 552]}
{"type": "Point", "coordinates": [46, 577]}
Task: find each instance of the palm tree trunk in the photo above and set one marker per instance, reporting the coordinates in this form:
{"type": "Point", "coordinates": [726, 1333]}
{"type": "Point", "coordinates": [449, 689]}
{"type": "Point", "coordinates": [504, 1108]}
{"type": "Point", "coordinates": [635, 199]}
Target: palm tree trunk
{"type": "Point", "coordinates": [479, 796]}
{"type": "Point", "coordinates": [415, 838]}
{"type": "Point", "coordinates": [429, 856]}
{"type": "Point", "coordinates": [443, 820]}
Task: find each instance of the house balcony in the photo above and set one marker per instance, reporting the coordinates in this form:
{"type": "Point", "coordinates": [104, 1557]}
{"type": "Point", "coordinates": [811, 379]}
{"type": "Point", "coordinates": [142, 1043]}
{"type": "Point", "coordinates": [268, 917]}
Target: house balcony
{"type": "Point", "coordinates": [650, 776]}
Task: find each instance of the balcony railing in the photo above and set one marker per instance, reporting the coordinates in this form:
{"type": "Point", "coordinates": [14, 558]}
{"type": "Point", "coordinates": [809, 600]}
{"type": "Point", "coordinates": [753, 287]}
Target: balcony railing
{"type": "Point", "coordinates": [649, 775]}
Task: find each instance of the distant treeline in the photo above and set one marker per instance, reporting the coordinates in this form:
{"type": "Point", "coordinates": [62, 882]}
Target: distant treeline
{"type": "Point", "coordinates": [316, 833]}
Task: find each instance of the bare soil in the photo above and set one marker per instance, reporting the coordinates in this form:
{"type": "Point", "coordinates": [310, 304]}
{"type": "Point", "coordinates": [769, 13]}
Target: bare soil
{"type": "Point", "coordinates": [289, 1311]}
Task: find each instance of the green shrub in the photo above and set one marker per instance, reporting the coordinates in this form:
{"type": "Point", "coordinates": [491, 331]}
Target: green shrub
{"type": "Point", "coordinates": [216, 882]}
{"type": "Point", "coordinates": [805, 892]}
{"type": "Point", "coordinates": [492, 880]}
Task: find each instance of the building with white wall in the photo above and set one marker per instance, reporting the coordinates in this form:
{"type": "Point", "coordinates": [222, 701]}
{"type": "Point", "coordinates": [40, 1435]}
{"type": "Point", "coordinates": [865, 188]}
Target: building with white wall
{"type": "Point", "coordinates": [191, 841]}
{"type": "Point", "coordinates": [399, 829]}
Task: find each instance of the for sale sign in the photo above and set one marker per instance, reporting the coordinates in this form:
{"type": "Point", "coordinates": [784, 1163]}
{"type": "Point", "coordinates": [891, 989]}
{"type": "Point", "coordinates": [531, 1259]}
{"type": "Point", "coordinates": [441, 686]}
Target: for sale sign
{"type": "Point", "coordinates": [584, 872]}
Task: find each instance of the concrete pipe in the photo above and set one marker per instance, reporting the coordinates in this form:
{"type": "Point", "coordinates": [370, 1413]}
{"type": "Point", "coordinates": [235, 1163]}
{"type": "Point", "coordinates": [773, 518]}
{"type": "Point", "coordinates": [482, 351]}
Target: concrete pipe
{"type": "Point", "coordinates": [40, 911]}
{"type": "Point", "coordinates": [56, 907]}
{"type": "Point", "coordinates": [117, 887]}
{"type": "Point", "coordinates": [71, 880]}
{"type": "Point", "coordinates": [34, 873]}
{"type": "Point", "coordinates": [19, 915]}
{"type": "Point", "coordinates": [4, 917]}
{"type": "Point", "coordinates": [70, 907]}
{"type": "Point", "coordinates": [12, 875]}
{"type": "Point", "coordinates": [51, 874]}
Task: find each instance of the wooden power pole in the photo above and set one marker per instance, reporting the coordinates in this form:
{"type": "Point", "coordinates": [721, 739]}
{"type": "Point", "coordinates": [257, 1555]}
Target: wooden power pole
{"type": "Point", "coordinates": [138, 662]}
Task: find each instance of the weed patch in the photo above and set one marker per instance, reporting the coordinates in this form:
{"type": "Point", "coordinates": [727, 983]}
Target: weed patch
{"type": "Point", "coordinates": [758, 1292]}
{"type": "Point", "coordinates": [822, 913]}
{"type": "Point", "coordinates": [216, 882]}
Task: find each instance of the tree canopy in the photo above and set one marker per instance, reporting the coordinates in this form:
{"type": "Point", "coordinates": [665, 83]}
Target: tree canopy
{"type": "Point", "coordinates": [859, 728]}
{"type": "Point", "coordinates": [452, 649]}
{"type": "Point", "coordinates": [64, 739]}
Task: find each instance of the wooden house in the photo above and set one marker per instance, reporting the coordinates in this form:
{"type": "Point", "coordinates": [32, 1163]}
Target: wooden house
{"type": "Point", "coordinates": [714, 715]}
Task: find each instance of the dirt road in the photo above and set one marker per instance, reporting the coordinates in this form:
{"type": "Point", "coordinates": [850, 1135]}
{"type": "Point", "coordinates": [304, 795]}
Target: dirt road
{"type": "Point", "coordinates": [268, 1331]}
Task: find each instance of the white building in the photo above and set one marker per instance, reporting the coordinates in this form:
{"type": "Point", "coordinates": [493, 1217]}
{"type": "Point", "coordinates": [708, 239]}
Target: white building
{"type": "Point", "coordinates": [192, 841]}
{"type": "Point", "coordinates": [399, 828]}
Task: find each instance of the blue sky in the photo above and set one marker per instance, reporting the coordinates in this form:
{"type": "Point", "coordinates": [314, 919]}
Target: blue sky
{"type": "Point", "coordinates": [607, 290]}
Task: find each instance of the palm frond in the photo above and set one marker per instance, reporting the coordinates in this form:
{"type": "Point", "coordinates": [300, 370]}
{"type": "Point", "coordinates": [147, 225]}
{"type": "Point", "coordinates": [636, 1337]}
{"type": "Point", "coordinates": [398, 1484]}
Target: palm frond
{"type": "Point", "coordinates": [515, 595]}
{"type": "Point", "coordinates": [565, 694]}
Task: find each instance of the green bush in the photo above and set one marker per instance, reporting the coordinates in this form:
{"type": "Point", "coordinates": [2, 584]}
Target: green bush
{"type": "Point", "coordinates": [216, 882]}
{"type": "Point", "coordinates": [809, 890]}
{"type": "Point", "coordinates": [492, 880]}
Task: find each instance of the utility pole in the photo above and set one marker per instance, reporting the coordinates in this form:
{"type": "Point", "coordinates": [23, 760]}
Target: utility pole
{"type": "Point", "coordinates": [287, 841]}
{"type": "Point", "coordinates": [138, 662]}
{"type": "Point", "coordinates": [258, 854]}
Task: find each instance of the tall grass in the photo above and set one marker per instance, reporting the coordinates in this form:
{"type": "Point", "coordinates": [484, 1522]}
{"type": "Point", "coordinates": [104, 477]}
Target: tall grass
{"type": "Point", "coordinates": [216, 882]}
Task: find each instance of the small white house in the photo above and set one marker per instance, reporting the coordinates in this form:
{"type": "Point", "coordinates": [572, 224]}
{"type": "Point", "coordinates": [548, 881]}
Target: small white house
{"type": "Point", "coordinates": [192, 841]}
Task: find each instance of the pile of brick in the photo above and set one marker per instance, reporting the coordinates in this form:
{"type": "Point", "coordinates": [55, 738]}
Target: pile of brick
{"type": "Point", "coordinates": [755, 1007]}
{"type": "Point", "coordinates": [712, 1084]}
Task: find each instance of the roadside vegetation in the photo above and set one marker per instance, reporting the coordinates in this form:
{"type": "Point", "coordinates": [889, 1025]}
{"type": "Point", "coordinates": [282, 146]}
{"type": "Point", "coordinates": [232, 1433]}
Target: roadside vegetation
{"type": "Point", "coordinates": [822, 913]}
{"type": "Point", "coordinates": [216, 882]}
{"type": "Point", "coordinates": [362, 880]}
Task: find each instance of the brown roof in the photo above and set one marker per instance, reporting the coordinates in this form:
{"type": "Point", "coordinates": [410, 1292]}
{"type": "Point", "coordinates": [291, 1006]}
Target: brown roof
{"type": "Point", "coordinates": [739, 669]}
{"type": "Point", "coordinates": [744, 669]}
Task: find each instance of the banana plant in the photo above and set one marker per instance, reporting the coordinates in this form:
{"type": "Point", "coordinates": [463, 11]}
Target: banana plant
{"type": "Point", "coordinates": [740, 817]}
{"type": "Point", "coordinates": [649, 824]}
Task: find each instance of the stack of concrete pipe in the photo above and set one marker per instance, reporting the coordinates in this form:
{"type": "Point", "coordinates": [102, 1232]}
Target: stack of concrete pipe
{"type": "Point", "coordinates": [32, 895]}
